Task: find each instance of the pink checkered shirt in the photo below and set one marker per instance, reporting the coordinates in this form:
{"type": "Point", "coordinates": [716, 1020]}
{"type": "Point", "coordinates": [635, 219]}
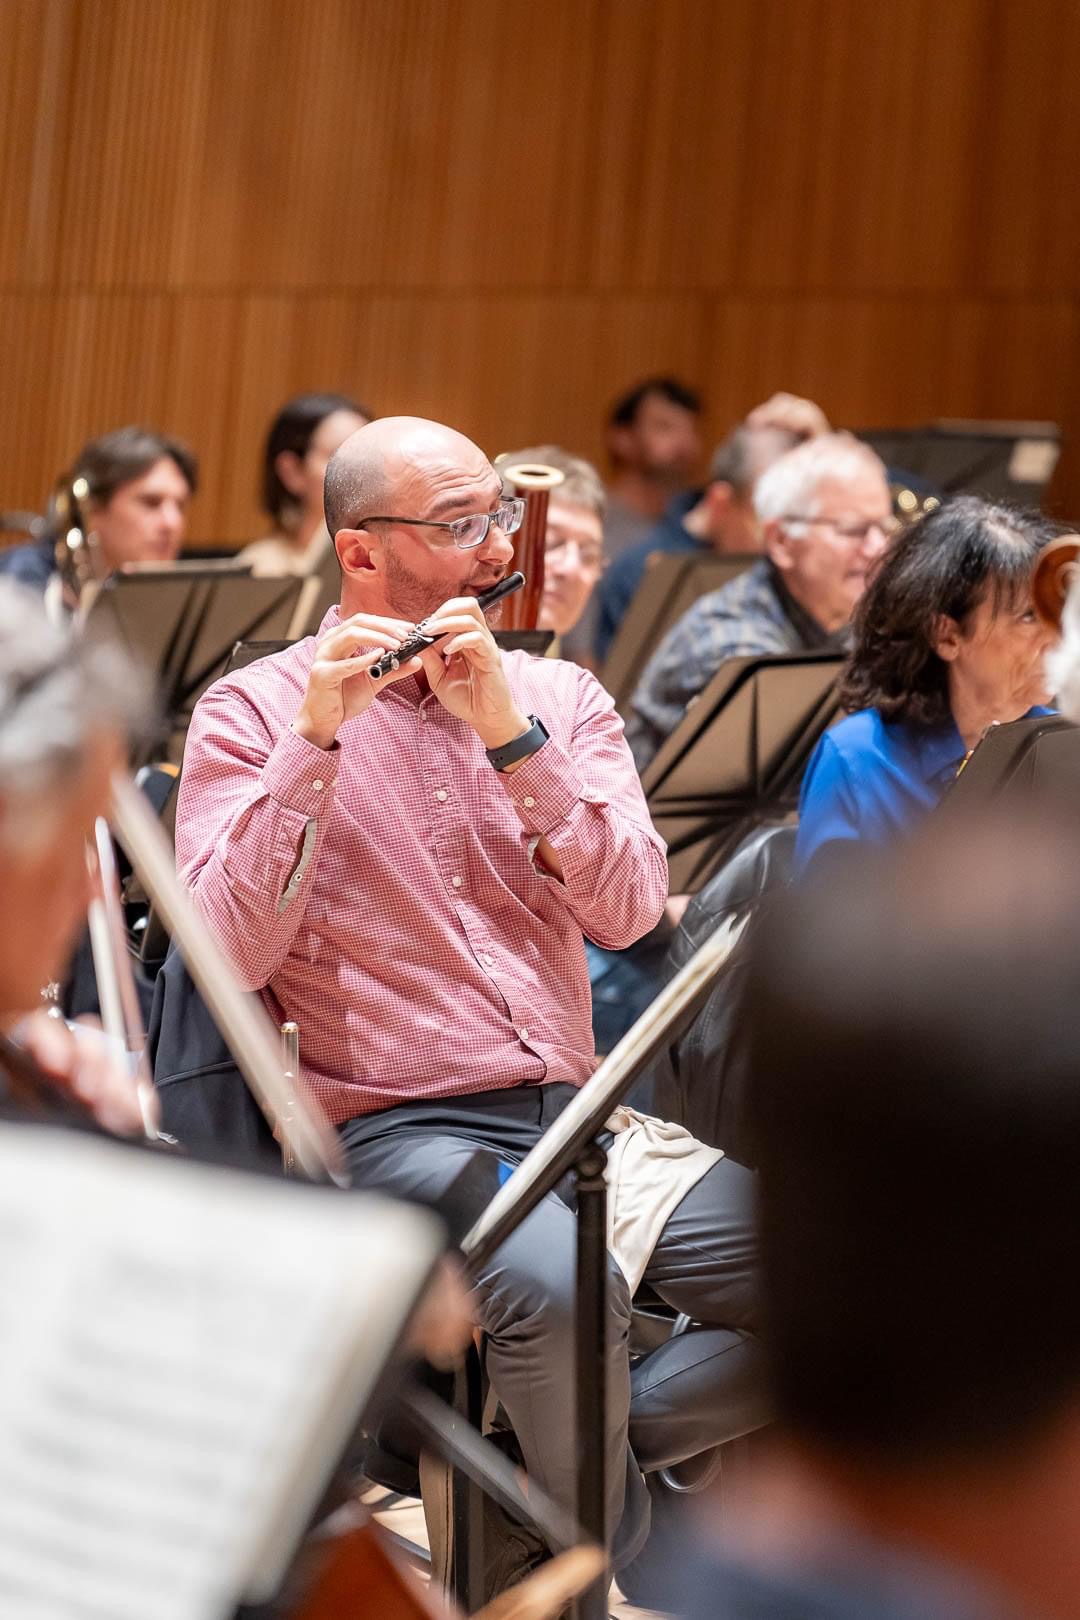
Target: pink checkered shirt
{"type": "Point", "coordinates": [384, 893]}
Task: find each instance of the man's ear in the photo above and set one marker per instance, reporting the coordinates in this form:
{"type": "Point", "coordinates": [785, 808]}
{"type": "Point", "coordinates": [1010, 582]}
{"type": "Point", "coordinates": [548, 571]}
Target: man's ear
{"type": "Point", "coordinates": [288, 468]}
{"type": "Point", "coordinates": [776, 543]}
{"type": "Point", "coordinates": [718, 498]}
{"type": "Point", "coordinates": [358, 552]}
{"type": "Point", "coordinates": [946, 637]}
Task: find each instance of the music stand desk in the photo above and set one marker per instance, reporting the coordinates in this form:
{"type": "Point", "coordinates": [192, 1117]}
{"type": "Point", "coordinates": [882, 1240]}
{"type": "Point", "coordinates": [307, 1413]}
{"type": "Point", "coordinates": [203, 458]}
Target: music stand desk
{"type": "Point", "coordinates": [670, 585]}
{"type": "Point", "coordinates": [739, 752]}
{"type": "Point", "coordinates": [1037, 754]}
{"type": "Point", "coordinates": [181, 622]}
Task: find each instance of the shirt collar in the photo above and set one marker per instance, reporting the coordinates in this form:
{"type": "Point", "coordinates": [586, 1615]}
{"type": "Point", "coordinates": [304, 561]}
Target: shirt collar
{"type": "Point", "coordinates": [810, 632]}
{"type": "Point", "coordinates": [940, 751]}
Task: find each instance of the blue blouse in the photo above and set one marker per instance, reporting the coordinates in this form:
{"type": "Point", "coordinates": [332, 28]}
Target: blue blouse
{"type": "Point", "coordinates": [874, 779]}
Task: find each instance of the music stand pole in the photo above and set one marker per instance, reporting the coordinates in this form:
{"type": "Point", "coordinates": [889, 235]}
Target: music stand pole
{"type": "Point", "coordinates": [590, 1355]}
{"type": "Point", "coordinates": [570, 1144]}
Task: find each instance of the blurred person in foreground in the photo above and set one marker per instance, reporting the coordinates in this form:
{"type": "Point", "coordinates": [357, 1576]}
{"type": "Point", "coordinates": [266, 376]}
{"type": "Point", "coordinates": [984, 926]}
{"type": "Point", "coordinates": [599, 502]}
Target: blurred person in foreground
{"type": "Point", "coordinates": [654, 445]}
{"type": "Point", "coordinates": [574, 539]}
{"type": "Point", "coordinates": [826, 517]}
{"type": "Point", "coordinates": [913, 1030]}
{"type": "Point", "coordinates": [302, 437]}
{"type": "Point", "coordinates": [65, 711]}
{"type": "Point", "coordinates": [140, 484]}
{"type": "Point", "coordinates": [946, 644]}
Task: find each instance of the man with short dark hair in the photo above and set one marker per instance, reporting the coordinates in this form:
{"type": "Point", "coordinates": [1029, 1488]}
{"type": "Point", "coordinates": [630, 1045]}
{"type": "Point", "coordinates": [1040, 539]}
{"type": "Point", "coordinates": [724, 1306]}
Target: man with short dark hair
{"type": "Point", "coordinates": [654, 444]}
{"type": "Point", "coordinates": [913, 1029]}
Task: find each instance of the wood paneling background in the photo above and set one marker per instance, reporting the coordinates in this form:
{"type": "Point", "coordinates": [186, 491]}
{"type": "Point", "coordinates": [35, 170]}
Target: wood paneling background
{"type": "Point", "coordinates": [499, 212]}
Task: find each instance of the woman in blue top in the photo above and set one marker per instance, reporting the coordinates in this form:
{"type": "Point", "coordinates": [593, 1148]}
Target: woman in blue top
{"type": "Point", "coordinates": [945, 643]}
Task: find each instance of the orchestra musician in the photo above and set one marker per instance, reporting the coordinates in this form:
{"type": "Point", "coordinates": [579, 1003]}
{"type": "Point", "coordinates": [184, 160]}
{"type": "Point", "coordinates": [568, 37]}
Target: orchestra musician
{"type": "Point", "coordinates": [406, 868]}
{"type": "Point", "coordinates": [573, 538]}
{"type": "Point", "coordinates": [138, 486]}
{"type": "Point", "coordinates": [826, 516]}
{"type": "Point", "coordinates": [302, 437]}
{"type": "Point", "coordinates": [947, 643]}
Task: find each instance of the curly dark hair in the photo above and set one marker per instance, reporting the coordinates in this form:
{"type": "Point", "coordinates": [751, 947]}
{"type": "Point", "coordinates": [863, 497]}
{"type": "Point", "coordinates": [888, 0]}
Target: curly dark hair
{"type": "Point", "coordinates": [945, 564]}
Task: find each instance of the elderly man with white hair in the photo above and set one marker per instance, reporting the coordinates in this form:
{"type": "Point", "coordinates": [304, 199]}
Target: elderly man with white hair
{"type": "Point", "coordinates": [826, 516]}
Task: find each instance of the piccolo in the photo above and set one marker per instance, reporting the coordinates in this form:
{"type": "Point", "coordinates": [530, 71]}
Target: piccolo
{"type": "Point", "coordinates": [418, 641]}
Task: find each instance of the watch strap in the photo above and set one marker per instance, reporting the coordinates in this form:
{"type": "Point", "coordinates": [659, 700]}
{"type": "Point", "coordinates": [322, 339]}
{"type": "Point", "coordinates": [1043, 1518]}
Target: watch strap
{"type": "Point", "coordinates": [519, 747]}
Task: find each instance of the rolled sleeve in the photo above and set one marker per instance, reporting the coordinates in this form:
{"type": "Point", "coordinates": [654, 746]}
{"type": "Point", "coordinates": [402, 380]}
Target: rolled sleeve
{"type": "Point", "coordinates": [300, 776]}
{"type": "Point", "coordinates": [545, 788]}
{"type": "Point", "coordinates": [584, 797]}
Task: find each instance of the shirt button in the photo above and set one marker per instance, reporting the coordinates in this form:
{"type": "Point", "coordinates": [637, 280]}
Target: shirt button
{"type": "Point", "coordinates": [489, 961]}
{"type": "Point", "coordinates": [440, 794]}
{"type": "Point", "coordinates": [524, 1034]}
{"type": "Point", "coordinates": [457, 882]}
{"type": "Point", "coordinates": [318, 784]}
{"type": "Point", "coordinates": [528, 801]}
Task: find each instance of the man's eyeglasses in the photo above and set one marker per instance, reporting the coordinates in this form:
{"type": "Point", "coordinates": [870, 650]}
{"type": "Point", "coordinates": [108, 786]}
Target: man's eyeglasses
{"type": "Point", "coordinates": [854, 531]}
{"type": "Point", "coordinates": [465, 532]}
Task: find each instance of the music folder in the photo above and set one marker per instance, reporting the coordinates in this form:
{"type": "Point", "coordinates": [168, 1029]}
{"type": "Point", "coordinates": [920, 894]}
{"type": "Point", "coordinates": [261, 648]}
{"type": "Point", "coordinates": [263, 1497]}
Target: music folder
{"type": "Point", "coordinates": [738, 752]}
{"type": "Point", "coordinates": [180, 622]}
{"type": "Point", "coordinates": [185, 1352]}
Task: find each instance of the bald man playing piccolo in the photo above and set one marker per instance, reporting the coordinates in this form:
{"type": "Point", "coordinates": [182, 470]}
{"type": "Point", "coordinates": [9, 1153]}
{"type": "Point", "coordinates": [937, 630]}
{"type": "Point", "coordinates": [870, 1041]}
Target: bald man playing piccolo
{"type": "Point", "coordinates": [407, 867]}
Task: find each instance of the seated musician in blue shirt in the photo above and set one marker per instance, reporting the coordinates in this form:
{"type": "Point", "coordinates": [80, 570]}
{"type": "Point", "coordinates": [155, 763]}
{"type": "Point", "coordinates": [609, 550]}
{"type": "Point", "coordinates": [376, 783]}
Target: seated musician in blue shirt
{"type": "Point", "coordinates": [946, 644]}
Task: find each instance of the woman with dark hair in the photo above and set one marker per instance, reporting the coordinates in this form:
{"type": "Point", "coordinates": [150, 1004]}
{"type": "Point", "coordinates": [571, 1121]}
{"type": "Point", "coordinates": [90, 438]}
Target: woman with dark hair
{"type": "Point", "coordinates": [138, 485]}
{"type": "Point", "coordinates": [303, 436]}
{"type": "Point", "coordinates": [946, 643]}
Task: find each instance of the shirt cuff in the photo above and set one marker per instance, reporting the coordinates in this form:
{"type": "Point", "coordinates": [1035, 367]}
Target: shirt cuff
{"type": "Point", "coordinates": [546, 787]}
{"type": "Point", "coordinates": [300, 776]}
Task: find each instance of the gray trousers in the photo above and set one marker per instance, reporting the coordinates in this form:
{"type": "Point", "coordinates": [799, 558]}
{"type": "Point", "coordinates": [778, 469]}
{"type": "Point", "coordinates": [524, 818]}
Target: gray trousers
{"type": "Point", "coordinates": [691, 1393]}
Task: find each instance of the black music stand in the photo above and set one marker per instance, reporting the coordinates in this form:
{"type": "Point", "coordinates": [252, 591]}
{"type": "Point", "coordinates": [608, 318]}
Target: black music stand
{"type": "Point", "coordinates": [574, 1143]}
{"type": "Point", "coordinates": [180, 622]}
{"type": "Point", "coordinates": [1023, 758]}
{"type": "Point", "coordinates": [1011, 461]}
{"type": "Point", "coordinates": [671, 584]}
{"type": "Point", "coordinates": [737, 756]}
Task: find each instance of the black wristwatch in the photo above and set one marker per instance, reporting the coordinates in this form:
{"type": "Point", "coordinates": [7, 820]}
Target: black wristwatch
{"type": "Point", "coordinates": [521, 747]}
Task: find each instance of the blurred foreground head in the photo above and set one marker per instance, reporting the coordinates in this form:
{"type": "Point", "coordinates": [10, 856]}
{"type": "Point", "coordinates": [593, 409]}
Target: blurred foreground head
{"type": "Point", "coordinates": [66, 707]}
{"type": "Point", "coordinates": [914, 1029]}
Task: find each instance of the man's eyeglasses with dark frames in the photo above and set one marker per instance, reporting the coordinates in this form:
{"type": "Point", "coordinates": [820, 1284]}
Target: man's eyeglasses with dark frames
{"type": "Point", "coordinates": [465, 532]}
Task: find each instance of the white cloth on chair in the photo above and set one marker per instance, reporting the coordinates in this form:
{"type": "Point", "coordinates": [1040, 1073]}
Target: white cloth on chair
{"type": "Point", "coordinates": [651, 1166]}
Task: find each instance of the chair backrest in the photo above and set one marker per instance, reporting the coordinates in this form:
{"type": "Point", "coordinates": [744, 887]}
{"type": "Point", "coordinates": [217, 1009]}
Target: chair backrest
{"type": "Point", "coordinates": [205, 1101]}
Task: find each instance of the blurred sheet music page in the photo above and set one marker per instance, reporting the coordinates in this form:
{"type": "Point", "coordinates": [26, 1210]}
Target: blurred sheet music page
{"type": "Point", "coordinates": [183, 1353]}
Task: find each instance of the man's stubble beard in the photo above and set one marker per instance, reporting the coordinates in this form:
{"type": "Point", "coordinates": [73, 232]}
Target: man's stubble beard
{"type": "Point", "coordinates": [411, 596]}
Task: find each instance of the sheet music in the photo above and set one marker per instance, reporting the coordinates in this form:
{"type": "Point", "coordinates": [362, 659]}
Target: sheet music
{"type": "Point", "coordinates": [183, 1353]}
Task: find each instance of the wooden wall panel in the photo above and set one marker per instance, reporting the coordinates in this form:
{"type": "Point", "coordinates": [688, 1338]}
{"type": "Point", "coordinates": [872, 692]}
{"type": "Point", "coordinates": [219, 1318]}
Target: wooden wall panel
{"type": "Point", "coordinates": [501, 211]}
